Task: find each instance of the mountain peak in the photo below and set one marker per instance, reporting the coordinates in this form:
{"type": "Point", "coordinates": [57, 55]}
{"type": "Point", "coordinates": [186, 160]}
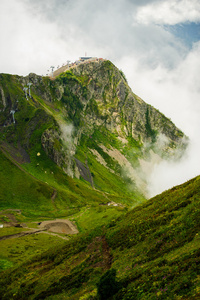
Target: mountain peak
{"type": "Point", "coordinates": [72, 65]}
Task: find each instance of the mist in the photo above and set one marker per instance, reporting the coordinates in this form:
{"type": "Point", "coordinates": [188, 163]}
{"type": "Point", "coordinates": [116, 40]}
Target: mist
{"type": "Point", "coordinates": [176, 93]}
{"type": "Point", "coordinates": [167, 174]}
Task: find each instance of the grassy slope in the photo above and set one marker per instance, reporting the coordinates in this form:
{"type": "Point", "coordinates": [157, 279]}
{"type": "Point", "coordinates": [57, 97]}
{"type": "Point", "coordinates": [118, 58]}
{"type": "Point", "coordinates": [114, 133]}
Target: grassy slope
{"type": "Point", "coordinates": [114, 183]}
{"type": "Point", "coordinates": [75, 200]}
{"type": "Point", "coordinates": [32, 118]}
{"type": "Point", "coordinates": [20, 190]}
{"type": "Point", "coordinates": [154, 249]}
{"type": "Point", "coordinates": [35, 115]}
{"type": "Point", "coordinates": [30, 186]}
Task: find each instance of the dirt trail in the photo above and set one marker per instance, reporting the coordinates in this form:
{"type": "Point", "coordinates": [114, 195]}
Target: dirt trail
{"type": "Point", "coordinates": [24, 233]}
{"type": "Point", "coordinates": [17, 235]}
{"type": "Point", "coordinates": [54, 234]}
{"type": "Point", "coordinates": [53, 227]}
{"type": "Point", "coordinates": [59, 226]}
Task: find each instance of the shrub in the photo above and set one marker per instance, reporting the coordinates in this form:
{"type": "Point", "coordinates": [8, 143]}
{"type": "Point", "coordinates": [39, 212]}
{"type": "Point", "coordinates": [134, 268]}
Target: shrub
{"type": "Point", "coordinates": [107, 285]}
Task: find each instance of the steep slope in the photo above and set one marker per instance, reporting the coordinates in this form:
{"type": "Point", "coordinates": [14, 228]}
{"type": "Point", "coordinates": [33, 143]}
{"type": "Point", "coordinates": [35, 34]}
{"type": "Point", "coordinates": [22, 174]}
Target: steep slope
{"type": "Point", "coordinates": [34, 142]}
{"type": "Point", "coordinates": [152, 252]}
{"type": "Point", "coordinates": [37, 198]}
{"type": "Point", "coordinates": [89, 122]}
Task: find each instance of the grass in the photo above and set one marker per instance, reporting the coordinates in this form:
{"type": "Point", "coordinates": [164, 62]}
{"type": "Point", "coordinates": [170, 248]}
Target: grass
{"type": "Point", "coordinates": [10, 230]}
{"type": "Point", "coordinates": [154, 249]}
{"type": "Point", "coordinates": [23, 192]}
{"type": "Point", "coordinates": [33, 193]}
{"type": "Point", "coordinates": [91, 217]}
{"type": "Point", "coordinates": [162, 247]}
{"type": "Point", "coordinates": [112, 182]}
{"type": "Point", "coordinates": [19, 250]}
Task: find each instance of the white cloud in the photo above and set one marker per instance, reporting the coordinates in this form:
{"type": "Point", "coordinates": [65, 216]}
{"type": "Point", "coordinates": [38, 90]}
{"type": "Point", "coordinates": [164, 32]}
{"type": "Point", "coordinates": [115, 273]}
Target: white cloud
{"type": "Point", "coordinates": [167, 174]}
{"type": "Point", "coordinates": [37, 34]}
{"type": "Point", "coordinates": [169, 12]}
{"type": "Point", "coordinates": [27, 43]}
{"type": "Point", "coordinates": [176, 93]}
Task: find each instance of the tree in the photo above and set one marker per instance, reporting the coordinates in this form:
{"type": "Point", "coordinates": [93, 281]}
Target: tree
{"type": "Point", "coordinates": [107, 285]}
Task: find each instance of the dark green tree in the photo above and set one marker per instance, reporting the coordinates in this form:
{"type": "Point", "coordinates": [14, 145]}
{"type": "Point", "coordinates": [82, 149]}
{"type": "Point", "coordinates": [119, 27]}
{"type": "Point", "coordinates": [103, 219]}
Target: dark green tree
{"type": "Point", "coordinates": [107, 285]}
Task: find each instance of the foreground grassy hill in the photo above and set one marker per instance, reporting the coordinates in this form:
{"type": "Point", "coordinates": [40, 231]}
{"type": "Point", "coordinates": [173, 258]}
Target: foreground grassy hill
{"type": "Point", "coordinates": [151, 252]}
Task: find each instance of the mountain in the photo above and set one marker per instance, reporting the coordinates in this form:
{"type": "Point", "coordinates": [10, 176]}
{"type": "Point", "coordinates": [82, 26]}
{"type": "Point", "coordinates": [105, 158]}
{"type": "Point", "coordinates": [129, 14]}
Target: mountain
{"type": "Point", "coordinates": [151, 252]}
{"type": "Point", "coordinates": [76, 149]}
{"type": "Point", "coordinates": [89, 123]}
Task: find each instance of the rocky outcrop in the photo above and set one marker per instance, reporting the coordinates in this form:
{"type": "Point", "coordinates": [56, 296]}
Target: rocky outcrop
{"type": "Point", "coordinates": [97, 94]}
{"type": "Point", "coordinates": [110, 102]}
{"type": "Point", "coordinates": [52, 147]}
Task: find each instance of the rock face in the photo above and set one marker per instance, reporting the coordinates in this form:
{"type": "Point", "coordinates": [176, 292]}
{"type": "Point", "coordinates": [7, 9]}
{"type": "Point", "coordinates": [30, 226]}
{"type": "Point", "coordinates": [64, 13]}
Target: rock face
{"type": "Point", "coordinates": [123, 111]}
{"type": "Point", "coordinates": [52, 147]}
{"type": "Point", "coordinates": [98, 94]}
{"type": "Point", "coordinates": [88, 111]}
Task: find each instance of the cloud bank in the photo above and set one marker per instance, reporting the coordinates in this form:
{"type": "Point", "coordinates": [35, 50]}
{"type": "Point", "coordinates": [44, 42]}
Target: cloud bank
{"type": "Point", "coordinates": [37, 34]}
{"type": "Point", "coordinates": [176, 93]}
{"type": "Point", "coordinates": [169, 12]}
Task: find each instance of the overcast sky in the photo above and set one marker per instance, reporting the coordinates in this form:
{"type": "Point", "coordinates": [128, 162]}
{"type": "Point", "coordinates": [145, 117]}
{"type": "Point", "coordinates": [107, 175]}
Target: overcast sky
{"type": "Point", "coordinates": [156, 43]}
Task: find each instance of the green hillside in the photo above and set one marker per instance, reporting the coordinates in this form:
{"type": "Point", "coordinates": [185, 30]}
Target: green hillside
{"type": "Point", "coordinates": [73, 192]}
{"type": "Point", "coordinates": [152, 252]}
